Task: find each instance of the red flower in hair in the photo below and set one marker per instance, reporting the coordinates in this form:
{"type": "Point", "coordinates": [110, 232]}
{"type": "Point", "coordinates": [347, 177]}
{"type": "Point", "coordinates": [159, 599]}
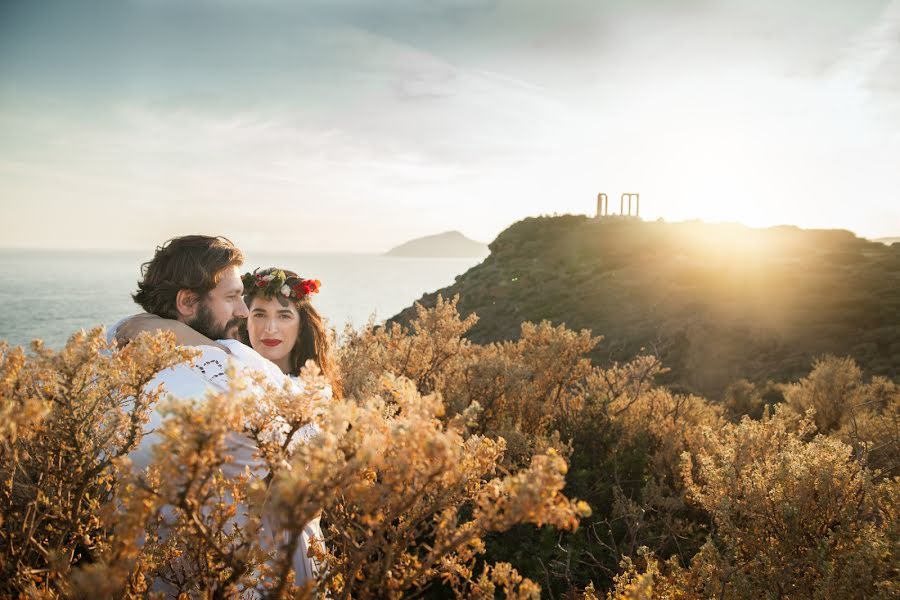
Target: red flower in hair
{"type": "Point", "coordinates": [310, 286]}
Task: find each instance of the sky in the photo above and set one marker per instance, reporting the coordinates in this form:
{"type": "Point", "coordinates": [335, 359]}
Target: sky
{"type": "Point", "coordinates": [355, 125]}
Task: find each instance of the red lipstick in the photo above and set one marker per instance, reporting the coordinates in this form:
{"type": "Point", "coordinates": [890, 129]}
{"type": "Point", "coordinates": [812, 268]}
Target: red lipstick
{"type": "Point", "coordinates": [271, 343]}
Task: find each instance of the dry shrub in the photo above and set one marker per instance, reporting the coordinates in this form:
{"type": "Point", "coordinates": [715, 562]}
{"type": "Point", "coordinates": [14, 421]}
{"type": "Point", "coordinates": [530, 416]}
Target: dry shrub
{"type": "Point", "coordinates": [831, 389]}
{"type": "Point", "coordinates": [793, 516]}
{"type": "Point", "coordinates": [777, 502]}
{"type": "Point", "coordinates": [873, 427]}
{"type": "Point", "coordinates": [742, 398]}
{"type": "Point", "coordinates": [526, 389]}
{"type": "Point", "coordinates": [529, 390]}
{"type": "Point", "coordinates": [663, 426]}
{"type": "Point", "coordinates": [435, 471]}
{"type": "Point", "coordinates": [425, 354]}
{"type": "Point", "coordinates": [75, 416]}
{"type": "Point", "coordinates": [623, 434]}
{"type": "Point", "coordinates": [648, 578]}
{"type": "Point", "coordinates": [405, 495]}
{"type": "Point", "coordinates": [651, 428]}
{"type": "Point", "coordinates": [864, 415]}
{"type": "Point", "coordinates": [21, 410]}
{"type": "Point", "coordinates": [408, 498]}
{"type": "Point", "coordinates": [671, 423]}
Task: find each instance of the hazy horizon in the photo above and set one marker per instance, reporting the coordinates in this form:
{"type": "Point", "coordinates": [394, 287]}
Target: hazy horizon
{"type": "Point", "coordinates": [347, 126]}
{"type": "Point", "coordinates": [343, 252]}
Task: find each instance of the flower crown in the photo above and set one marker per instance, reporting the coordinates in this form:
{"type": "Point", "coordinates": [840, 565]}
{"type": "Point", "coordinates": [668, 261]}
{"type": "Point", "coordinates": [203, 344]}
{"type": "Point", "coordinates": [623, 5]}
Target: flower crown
{"type": "Point", "coordinates": [275, 283]}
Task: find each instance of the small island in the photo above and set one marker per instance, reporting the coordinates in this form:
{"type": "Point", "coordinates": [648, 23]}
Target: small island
{"type": "Point", "coordinates": [450, 244]}
{"type": "Point", "coordinates": [887, 240]}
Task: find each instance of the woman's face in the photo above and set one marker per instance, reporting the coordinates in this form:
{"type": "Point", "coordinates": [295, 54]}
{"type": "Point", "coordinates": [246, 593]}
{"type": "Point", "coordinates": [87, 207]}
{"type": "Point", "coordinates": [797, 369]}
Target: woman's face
{"type": "Point", "coordinates": [273, 330]}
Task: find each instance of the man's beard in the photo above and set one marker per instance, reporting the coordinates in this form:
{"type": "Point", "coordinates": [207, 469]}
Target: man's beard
{"type": "Point", "coordinates": [205, 323]}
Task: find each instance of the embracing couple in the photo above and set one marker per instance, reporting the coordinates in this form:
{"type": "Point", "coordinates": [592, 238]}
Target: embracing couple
{"type": "Point", "coordinates": [261, 322]}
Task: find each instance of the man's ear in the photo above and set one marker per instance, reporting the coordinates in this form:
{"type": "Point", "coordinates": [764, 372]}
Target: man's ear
{"type": "Point", "coordinates": [186, 303]}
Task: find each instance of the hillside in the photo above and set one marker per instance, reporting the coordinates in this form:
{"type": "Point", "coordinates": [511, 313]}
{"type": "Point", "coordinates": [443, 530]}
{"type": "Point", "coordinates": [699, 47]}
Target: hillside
{"type": "Point", "coordinates": [716, 302]}
{"type": "Point", "coordinates": [450, 244]}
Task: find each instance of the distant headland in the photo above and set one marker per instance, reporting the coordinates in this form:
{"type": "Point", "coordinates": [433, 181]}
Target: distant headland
{"type": "Point", "coordinates": [450, 244]}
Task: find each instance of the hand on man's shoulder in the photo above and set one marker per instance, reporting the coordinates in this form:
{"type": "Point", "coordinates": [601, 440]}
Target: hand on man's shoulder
{"type": "Point", "coordinates": [130, 327]}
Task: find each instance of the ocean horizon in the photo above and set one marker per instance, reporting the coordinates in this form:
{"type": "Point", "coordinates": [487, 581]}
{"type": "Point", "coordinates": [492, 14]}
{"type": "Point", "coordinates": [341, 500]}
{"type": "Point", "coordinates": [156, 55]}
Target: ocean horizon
{"type": "Point", "coordinates": [51, 294]}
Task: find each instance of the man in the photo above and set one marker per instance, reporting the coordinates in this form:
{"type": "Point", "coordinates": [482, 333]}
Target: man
{"type": "Point", "coordinates": [195, 280]}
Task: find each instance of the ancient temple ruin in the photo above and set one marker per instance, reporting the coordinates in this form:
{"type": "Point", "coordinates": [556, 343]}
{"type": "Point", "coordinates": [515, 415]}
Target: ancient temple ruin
{"type": "Point", "coordinates": [634, 210]}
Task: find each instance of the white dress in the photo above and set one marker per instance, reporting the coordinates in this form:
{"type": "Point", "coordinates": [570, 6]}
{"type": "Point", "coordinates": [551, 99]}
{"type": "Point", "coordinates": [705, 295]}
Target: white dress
{"type": "Point", "coordinates": [208, 373]}
{"type": "Point", "coordinates": [305, 568]}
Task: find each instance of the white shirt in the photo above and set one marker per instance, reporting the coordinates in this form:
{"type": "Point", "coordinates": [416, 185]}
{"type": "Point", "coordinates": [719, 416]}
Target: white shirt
{"type": "Point", "coordinates": [207, 373]}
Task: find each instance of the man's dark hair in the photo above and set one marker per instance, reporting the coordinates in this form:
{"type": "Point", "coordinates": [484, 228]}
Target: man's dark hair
{"type": "Point", "coordinates": [193, 262]}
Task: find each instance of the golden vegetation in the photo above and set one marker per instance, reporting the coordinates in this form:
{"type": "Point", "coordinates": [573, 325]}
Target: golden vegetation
{"type": "Point", "coordinates": [406, 497]}
{"type": "Point", "coordinates": [736, 507]}
{"type": "Point", "coordinates": [793, 516]}
{"type": "Point", "coordinates": [70, 421]}
{"type": "Point", "coordinates": [448, 470]}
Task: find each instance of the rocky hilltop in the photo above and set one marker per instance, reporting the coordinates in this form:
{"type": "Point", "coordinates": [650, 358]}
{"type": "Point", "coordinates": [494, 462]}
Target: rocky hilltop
{"type": "Point", "coordinates": [717, 302]}
{"type": "Point", "coordinates": [450, 244]}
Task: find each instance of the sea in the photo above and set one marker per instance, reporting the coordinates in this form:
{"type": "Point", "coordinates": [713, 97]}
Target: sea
{"type": "Point", "coordinates": [51, 294]}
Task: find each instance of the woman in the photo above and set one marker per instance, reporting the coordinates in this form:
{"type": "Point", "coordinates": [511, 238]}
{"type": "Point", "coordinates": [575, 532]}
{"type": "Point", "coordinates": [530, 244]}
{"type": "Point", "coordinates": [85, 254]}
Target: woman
{"type": "Point", "coordinates": [283, 325]}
